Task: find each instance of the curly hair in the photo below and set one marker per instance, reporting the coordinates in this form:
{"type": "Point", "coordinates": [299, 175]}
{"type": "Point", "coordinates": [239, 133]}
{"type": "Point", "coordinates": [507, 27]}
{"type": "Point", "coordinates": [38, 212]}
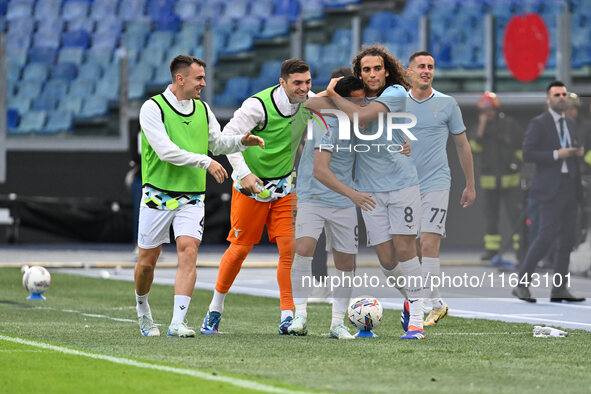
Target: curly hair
{"type": "Point", "coordinates": [397, 74]}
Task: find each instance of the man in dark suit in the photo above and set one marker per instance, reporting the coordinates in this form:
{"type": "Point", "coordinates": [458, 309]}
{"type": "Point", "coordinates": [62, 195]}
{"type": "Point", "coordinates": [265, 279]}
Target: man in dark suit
{"type": "Point", "coordinates": [550, 142]}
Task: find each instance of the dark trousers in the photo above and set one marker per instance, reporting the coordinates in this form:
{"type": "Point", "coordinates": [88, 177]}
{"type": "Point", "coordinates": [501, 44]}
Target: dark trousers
{"type": "Point", "coordinates": [557, 218]}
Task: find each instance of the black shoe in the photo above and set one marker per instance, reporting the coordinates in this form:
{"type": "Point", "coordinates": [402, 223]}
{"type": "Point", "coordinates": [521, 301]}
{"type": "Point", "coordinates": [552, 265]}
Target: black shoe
{"type": "Point", "coordinates": [523, 294]}
{"type": "Point", "coordinates": [562, 294]}
{"type": "Point", "coordinates": [489, 254]}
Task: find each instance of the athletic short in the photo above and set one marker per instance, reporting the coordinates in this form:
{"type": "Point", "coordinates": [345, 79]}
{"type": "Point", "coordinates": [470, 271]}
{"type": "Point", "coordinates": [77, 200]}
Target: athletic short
{"type": "Point", "coordinates": [249, 217]}
{"type": "Point", "coordinates": [154, 224]}
{"type": "Point", "coordinates": [340, 225]}
{"type": "Point", "coordinates": [396, 213]}
{"type": "Point", "coordinates": [434, 212]}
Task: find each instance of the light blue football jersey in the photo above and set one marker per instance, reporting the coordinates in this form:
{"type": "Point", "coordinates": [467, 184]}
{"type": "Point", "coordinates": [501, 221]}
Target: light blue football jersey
{"type": "Point", "coordinates": [437, 117]}
{"type": "Point", "coordinates": [378, 168]}
{"type": "Point", "coordinates": [310, 189]}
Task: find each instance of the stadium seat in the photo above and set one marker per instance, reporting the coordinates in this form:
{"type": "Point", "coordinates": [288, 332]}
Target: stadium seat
{"type": "Point", "coordinates": [47, 9]}
{"type": "Point", "coordinates": [239, 41]}
{"type": "Point", "coordinates": [107, 88]}
{"type": "Point", "coordinates": [42, 55]}
{"type": "Point", "coordinates": [22, 103]}
{"type": "Point", "coordinates": [261, 8]}
{"type": "Point", "coordinates": [250, 24]}
{"type": "Point", "coordinates": [188, 9]}
{"type": "Point", "coordinates": [160, 39]}
{"type": "Point", "coordinates": [86, 24]}
{"type": "Point", "coordinates": [18, 9]}
{"type": "Point", "coordinates": [35, 71]}
{"type": "Point", "coordinates": [56, 87]}
{"type": "Point", "coordinates": [104, 41]}
{"type": "Point", "coordinates": [212, 11]}
{"type": "Point", "coordinates": [58, 121]}
{"type": "Point", "coordinates": [71, 55]}
{"type": "Point", "coordinates": [13, 73]}
{"type": "Point", "coordinates": [131, 9]}
{"type": "Point", "coordinates": [161, 78]}
{"type": "Point", "coordinates": [47, 40]}
{"type": "Point", "coordinates": [136, 89]}
{"type": "Point", "coordinates": [32, 121]}
{"type": "Point", "coordinates": [93, 107]}
{"type": "Point", "coordinates": [236, 9]}
{"type": "Point", "coordinates": [12, 118]}
{"type": "Point", "coordinates": [44, 103]}
{"type": "Point", "coordinates": [81, 87]}
{"type": "Point", "coordinates": [275, 26]}
{"type": "Point", "coordinates": [76, 38]}
{"type": "Point", "coordinates": [65, 71]}
{"type": "Point", "coordinates": [289, 9]}
{"type": "Point", "coordinates": [90, 70]}
{"type": "Point", "coordinates": [312, 10]}
{"type": "Point", "coordinates": [103, 10]}
{"type": "Point", "coordinates": [154, 56]}
{"type": "Point", "coordinates": [71, 103]}
{"type": "Point", "coordinates": [168, 22]}
{"type": "Point", "coordinates": [73, 10]}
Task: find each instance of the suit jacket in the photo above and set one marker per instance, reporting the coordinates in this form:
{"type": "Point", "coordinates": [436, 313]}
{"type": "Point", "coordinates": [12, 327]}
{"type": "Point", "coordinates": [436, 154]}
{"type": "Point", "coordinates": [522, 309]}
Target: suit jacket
{"type": "Point", "coordinates": [541, 140]}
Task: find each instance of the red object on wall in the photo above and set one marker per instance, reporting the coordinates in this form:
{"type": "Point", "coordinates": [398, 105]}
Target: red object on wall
{"type": "Point", "coordinates": [526, 46]}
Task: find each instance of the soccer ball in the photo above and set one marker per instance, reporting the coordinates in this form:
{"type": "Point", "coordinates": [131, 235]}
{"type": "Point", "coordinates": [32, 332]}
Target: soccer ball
{"type": "Point", "coordinates": [365, 313]}
{"type": "Point", "coordinates": [36, 280]}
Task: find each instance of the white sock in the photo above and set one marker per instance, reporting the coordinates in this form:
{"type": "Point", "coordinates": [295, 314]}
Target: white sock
{"type": "Point", "coordinates": [181, 306]}
{"type": "Point", "coordinates": [142, 306]}
{"type": "Point", "coordinates": [341, 295]}
{"type": "Point", "coordinates": [285, 313]}
{"type": "Point", "coordinates": [301, 281]}
{"type": "Point", "coordinates": [217, 302]}
{"type": "Point", "coordinates": [394, 273]}
{"type": "Point", "coordinates": [414, 289]}
{"type": "Point", "coordinates": [431, 268]}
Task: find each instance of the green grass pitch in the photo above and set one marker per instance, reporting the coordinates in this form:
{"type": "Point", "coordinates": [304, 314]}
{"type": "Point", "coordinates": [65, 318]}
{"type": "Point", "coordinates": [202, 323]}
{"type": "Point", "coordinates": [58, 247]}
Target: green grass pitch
{"type": "Point", "coordinates": [97, 317]}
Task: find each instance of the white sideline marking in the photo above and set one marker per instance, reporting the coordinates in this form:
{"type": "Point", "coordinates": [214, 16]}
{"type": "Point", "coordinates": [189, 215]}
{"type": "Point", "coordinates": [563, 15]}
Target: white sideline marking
{"type": "Point", "coordinates": [464, 313]}
{"type": "Point", "coordinates": [125, 361]}
{"type": "Point", "coordinates": [87, 314]}
{"type": "Point", "coordinates": [481, 333]}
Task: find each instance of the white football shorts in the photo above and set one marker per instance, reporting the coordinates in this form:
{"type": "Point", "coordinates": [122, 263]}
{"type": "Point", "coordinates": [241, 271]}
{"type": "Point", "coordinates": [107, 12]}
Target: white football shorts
{"type": "Point", "coordinates": [340, 225]}
{"type": "Point", "coordinates": [434, 212]}
{"type": "Point", "coordinates": [154, 224]}
{"type": "Point", "coordinates": [396, 213]}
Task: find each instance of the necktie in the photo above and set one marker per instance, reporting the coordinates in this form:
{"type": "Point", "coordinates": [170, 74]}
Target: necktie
{"type": "Point", "coordinates": [562, 137]}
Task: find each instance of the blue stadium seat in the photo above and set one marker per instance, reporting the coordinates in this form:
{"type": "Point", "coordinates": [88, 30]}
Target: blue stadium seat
{"type": "Point", "coordinates": [381, 20]}
{"type": "Point", "coordinates": [65, 71]}
{"type": "Point", "coordinates": [45, 103]}
{"type": "Point", "coordinates": [35, 72]}
{"type": "Point", "coordinates": [188, 9]}
{"type": "Point", "coordinates": [212, 11]}
{"type": "Point", "coordinates": [42, 55]}
{"type": "Point", "coordinates": [87, 24]}
{"type": "Point", "coordinates": [48, 9]}
{"type": "Point", "coordinates": [93, 107]}
{"type": "Point", "coordinates": [56, 87]}
{"type": "Point", "coordinates": [142, 72]}
{"type": "Point", "coordinates": [17, 56]}
{"type": "Point", "coordinates": [236, 9]}
{"type": "Point", "coordinates": [12, 118]}
{"type": "Point", "coordinates": [76, 38]}
{"type": "Point", "coordinates": [371, 35]}
{"type": "Point", "coordinates": [18, 9]}
{"type": "Point", "coordinates": [170, 22]}
{"type": "Point", "coordinates": [13, 73]}
{"type": "Point", "coordinates": [275, 26]}
{"type": "Point", "coordinates": [161, 78]}
{"type": "Point", "coordinates": [104, 41]}
{"type": "Point", "coordinates": [342, 37]}
{"type": "Point", "coordinates": [107, 88]}
{"type": "Point", "coordinates": [312, 10]}
{"type": "Point", "coordinates": [31, 121]}
{"type": "Point", "coordinates": [136, 89]}
{"type": "Point", "coordinates": [160, 39]}
{"type": "Point", "coordinates": [109, 25]}
{"type": "Point", "coordinates": [46, 39]}
{"type": "Point", "coordinates": [239, 41]}
{"type": "Point", "coordinates": [71, 55]}
{"type": "Point", "coordinates": [104, 9]}
{"type": "Point", "coordinates": [154, 56]}
{"type": "Point", "coordinates": [75, 10]}
{"type": "Point", "coordinates": [131, 9]}
{"type": "Point", "coordinates": [261, 8]}
{"type": "Point", "coordinates": [176, 50]}
{"type": "Point", "coordinates": [71, 103]}
{"type": "Point", "coordinates": [22, 103]}
{"type": "Point", "coordinates": [290, 9]}
{"type": "Point", "coordinates": [81, 87]}
{"type": "Point", "coordinates": [90, 70]}
{"type": "Point", "coordinates": [238, 87]}
{"type": "Point", "coordinates": [58, 121]}
{"type": "Point", "coordinates": [250, 24]}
